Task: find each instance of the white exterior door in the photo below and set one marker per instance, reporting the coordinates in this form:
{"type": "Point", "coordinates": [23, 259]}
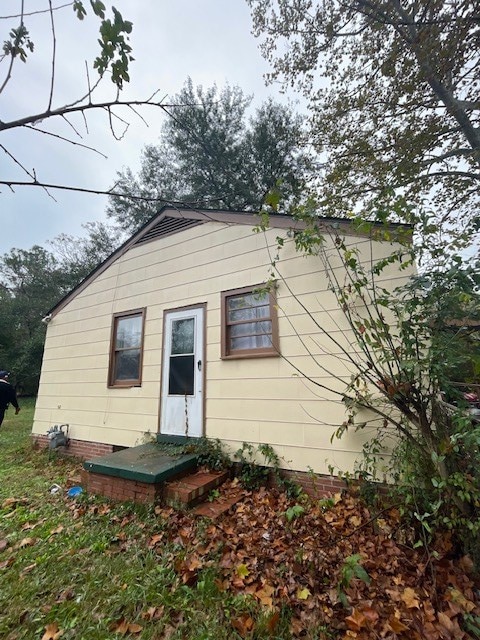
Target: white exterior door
{"type": "Point", "coordinates": [182, 376]}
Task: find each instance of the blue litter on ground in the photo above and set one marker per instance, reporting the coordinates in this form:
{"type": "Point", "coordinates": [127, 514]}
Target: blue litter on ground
{"type": "Point", "coordinates": [74, 491]}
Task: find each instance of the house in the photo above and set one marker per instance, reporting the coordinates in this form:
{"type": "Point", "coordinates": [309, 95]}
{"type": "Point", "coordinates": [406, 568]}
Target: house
{"type": "Point", "coordinates": [173, 334]}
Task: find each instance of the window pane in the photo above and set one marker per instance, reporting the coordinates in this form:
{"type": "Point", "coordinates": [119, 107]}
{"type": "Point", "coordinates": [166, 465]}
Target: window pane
{"type": "Point", "coordinates": [129, 332]}
{"type": "Point", "coordinates": [183, 334]}
{"type": "Point", "coordinates": [181, 378]}
{"type": "Point", "coordinates": [247, 300]}
{"type": "Point", "coordinates": [249, 324]}
{"type": "Point", "coordinates": [250, 328]}
{"type": "Point", "coordinates": [250, 313]}
{"type": "Point", "coordinates": [250, 342]}
{"type": "Point", "coordinates": [127, 365]}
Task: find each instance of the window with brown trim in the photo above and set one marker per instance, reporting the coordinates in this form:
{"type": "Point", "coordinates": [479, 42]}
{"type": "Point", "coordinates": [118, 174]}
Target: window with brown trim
{"type": "Point", "coordinates": [249, 323]}
{"type": "Point", "coordinates": [126, 349]}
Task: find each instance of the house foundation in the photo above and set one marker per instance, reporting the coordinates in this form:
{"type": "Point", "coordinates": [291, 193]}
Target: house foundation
{"type": "Point", "coordinates": [134, 487]}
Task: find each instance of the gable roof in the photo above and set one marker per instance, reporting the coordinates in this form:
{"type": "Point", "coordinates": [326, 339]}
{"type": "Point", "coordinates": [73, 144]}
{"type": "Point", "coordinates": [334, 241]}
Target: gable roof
{"type": "Point", "coordinates": [170, 220]}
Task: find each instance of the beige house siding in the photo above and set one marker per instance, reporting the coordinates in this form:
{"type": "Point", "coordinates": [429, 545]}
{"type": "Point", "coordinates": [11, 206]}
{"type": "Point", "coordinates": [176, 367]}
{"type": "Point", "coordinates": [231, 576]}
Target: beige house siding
{"type": "Point", "coordinates": [255, 400]}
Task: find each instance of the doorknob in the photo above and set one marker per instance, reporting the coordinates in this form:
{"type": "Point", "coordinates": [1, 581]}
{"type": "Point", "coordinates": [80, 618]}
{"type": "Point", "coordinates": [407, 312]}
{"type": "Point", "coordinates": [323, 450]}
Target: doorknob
{"type": "Point", "coordinates": [199, 365]}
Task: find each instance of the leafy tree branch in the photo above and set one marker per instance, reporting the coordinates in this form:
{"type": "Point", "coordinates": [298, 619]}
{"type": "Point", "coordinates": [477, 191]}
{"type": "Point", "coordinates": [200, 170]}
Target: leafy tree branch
{"type": "Point", "coordinates": [393, 94]}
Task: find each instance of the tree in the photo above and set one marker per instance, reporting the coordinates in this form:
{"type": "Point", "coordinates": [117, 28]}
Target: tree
{"type": "Point", "coordinates": [77, 257]}
{"type": "Point", "coordinates": [210, 156]}
{"type": "Point", "coordinates": [32, 282]}
{"type": "Point", "coordinates": [394, 110]}
{"type": "Point", "coordinates": [393, 90]}
{"type": "Point", "coordinates": [114, 57]}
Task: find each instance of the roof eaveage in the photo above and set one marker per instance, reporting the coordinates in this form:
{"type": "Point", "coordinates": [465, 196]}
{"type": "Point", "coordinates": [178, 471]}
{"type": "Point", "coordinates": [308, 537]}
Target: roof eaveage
{"type": "Point", "coordinates": [170, 220]}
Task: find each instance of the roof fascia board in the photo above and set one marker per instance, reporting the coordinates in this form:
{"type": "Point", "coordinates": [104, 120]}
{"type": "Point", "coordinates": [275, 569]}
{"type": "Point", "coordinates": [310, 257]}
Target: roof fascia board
{"type": "Point", "coordinates": [277, 220]}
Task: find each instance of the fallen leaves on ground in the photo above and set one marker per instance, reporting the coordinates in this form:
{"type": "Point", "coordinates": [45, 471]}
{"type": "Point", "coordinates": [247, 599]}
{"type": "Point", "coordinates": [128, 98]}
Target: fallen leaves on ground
{"type": "Point", "coordinates": [52, 632]}
{"type": "Point", "coordinates": [12, 503]}
{"type": "Point", "coordinates": [258, 552]}
{"type": "Point", "coordinates": [243, 624]}
{"type": "Point", "coordinates": [25, 542]}
{"type": "Point", "coordinates": [123, 627]}
{"type": "Point", "coordinates": [298, 565]}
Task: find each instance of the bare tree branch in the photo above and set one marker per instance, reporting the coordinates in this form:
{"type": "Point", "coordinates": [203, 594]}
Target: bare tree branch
{"type": "Point", "coordinates": [34, 13]}
{"type": "Point", "coordinates": [82, 108]}
{"type": "Point", "coordinates": [65, 139]}
{"type": "Point", "coordinates": [104, 192]}
{"type": "Point", "coordinates": [54, 52]}
{"type": "Point", "coordinates": [12, 157]}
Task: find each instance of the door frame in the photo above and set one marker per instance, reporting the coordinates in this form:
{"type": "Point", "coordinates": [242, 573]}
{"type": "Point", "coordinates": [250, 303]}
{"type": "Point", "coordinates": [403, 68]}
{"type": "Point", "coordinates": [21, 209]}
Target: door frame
{"type": "Point", "coordinates": [190, 307]}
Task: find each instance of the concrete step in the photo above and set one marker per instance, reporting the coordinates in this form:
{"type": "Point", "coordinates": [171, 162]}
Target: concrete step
{"type": "Point", "coordinates": [194, 488]}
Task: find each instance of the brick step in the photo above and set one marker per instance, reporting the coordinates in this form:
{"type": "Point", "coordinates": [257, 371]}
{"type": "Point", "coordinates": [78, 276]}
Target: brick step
{"type": "Point", "coordinates": [218, 506]}
{"type": "Point", "coordinates": [194, 488]}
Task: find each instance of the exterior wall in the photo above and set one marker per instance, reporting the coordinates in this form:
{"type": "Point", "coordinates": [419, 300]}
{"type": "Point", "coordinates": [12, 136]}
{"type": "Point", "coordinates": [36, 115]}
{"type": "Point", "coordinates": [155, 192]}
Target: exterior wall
{"type": "Point", "coordinates": [318, 486]}
{"type": "Point", "coordinates": [261, 400]}
{"type": "Point", "coordinates": [78, 448]}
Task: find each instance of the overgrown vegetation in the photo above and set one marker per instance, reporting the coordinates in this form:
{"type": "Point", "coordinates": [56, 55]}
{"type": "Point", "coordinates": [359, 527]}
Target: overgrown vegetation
{"type": "Point", "coordinates": [210, 452]}
{"type": "Point", "coordinates": [392, 91]}
{"type": "Point", "coordinates": [400, 348]}
{"type": "Point", "coordinates": [255, 466]}
{"type": "Point", "coordinates": [261, 465]}
{"type": "Point", "coordinates": [251, 473]}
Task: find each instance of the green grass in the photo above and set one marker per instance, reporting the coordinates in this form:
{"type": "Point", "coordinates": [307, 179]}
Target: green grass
{"type": "Point", "coordinates": [84, 564]}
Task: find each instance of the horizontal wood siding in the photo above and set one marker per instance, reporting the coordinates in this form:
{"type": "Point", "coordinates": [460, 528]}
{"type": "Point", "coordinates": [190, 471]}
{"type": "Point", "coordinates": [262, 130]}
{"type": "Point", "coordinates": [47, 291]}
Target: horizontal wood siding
{"type": "Point", "coordinates": [259, 400]}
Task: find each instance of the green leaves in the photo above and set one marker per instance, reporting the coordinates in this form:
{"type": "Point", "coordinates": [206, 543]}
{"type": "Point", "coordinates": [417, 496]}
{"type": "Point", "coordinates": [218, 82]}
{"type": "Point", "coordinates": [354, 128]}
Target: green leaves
{"type": "Point", "coordinates": [79, 9]}
{"type": "Point", "coordinates": [115, 52]}
{"type": "Point", "coordinates": [18, 44]}
{"type": "Point", "coordinates": [294, 512]}
{"type": "Point", "coordinates": [273, 198]}
{"type": "Point", "coordinates": [98, 8]}
{"type": "Point", "coordinates": [350, 570]}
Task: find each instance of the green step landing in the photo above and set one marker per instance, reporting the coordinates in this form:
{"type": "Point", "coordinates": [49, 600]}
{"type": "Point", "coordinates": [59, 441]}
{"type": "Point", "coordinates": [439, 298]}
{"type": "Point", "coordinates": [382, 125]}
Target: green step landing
{"type": "Point", "coordinates": [145, 463]}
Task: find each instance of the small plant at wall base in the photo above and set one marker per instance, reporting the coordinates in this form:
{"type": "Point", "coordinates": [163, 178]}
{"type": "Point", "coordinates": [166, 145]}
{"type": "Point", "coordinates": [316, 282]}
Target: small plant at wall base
{"type": "Point", "coordinates": [251, 474]}
{"type": "Point", "coordinates": [258, 465]}
{"type": "Point", "coordinates": [210, 452]}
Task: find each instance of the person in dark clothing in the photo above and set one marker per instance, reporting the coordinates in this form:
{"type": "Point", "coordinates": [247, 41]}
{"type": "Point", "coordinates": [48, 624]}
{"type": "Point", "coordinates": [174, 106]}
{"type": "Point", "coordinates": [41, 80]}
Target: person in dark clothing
{"type": "Point", "coordinates": [7, 395]}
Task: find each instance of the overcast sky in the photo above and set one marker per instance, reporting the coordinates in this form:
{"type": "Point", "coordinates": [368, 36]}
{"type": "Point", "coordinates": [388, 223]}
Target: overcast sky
{"type": "Point", "coordinates": [208, 40]}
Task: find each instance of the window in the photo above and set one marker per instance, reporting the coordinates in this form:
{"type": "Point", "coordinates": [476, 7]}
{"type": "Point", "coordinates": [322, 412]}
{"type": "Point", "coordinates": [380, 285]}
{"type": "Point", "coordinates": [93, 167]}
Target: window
{"type": "Point", "coordinates": [181, 379]}
{"type": "Point", "coordinates": [249, 323]}
{"type": "Point", "coordinates": [126, 352]}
